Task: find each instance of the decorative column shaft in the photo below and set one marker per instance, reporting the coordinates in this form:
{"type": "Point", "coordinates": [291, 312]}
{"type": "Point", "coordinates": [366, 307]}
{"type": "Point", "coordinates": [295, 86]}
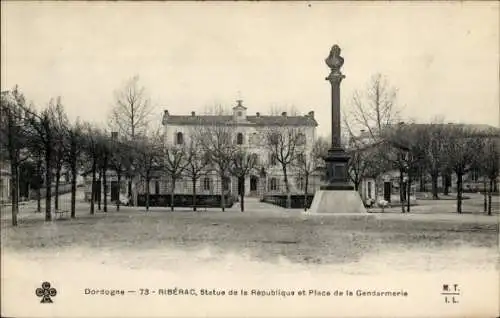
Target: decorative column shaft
{"type": "Point", "coordinates": [336, 159]}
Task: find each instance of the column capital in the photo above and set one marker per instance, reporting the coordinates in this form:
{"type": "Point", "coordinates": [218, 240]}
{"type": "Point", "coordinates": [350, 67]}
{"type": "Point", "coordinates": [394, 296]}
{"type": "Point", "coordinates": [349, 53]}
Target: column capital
{"type": "Point", "coordinates": [335, 77]}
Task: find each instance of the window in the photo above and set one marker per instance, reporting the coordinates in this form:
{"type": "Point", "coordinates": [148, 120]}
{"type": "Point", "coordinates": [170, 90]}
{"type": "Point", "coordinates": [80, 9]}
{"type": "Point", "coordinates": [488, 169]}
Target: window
{"type": "Point", "coordinates": [179, 138]}
{"type": "Point", "coordinates": [301, 139]}
{"type": "Point", "coordinates": [301, 183]}
{"type": "Point", "coordinates": [239, 139]}
{"type": "Point", "coordinates": [225, 183]}
{"type": "Point", "coordinates": [272, 159]}
{"type": "Point", "coordinates": [255, 158]}
{"type": "Point", "coordinates": [157, 187]}
{"type": "Point", "coordinates": [206, 184]}
{"type": "Point", "coordinates": [273, 184]}
{"type": "Point", "coordinates": [239, 114]}
{"type": "Point", "coordinates": [301, 159]}
{"type": "Point", "coordinates": [274, 138]}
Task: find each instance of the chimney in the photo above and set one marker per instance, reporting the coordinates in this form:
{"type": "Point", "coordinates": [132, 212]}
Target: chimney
{"type": "Point", "coordinates": [165, 117]}
{"type": "Point", "coordinates": [283, 114]}
{"type": "Point", "coordinates": [311, 114]}
{"type": "Point", "coordinates": [239, 102]}
{"type": "Point", "coordinates": [258, 114]}
{"type": "Point", "coordinates": [193, 114]}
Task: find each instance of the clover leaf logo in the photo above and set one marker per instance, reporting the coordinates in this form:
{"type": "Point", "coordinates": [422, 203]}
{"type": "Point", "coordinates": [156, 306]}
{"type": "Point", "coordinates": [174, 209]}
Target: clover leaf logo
{"type": "Point", "coordinates": [46, 292]}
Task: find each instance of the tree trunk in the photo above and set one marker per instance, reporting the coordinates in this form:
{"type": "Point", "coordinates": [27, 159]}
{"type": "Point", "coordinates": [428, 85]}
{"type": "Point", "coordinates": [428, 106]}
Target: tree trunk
{"type": "Point", "coordinates": [13, 192]}
{"type": "Point", "coordinates": [119, 179]}
{"type": "Point", "coordinates": [39, 199]}
{"type": "Point", "coordinates": [99, 182]}
{"type": "Point", "coordinates": [147, 192]}
{"type": "Point", "coordinates": [434, 180]}
{"type": "Point", "coordinates": [408, 193]}
{"type": "Point", "coordinates": [447, 183]}
{"type": "Point", "coordinates": [222, 197]}
{"type": "Point", "coordinates": [356, 184]}
{"type": "Point", "coordinates": [172, 195]}
{"type": "Point", "coordinates": [401, 197]}
{"type": "Point", "coordinates": [459, 192]}
{"type": "Point", "coordinates": [489, 196]}
{"type": "Point", "coordinates": [421, 180]}
{"type": "Point", "coordinates": [287, 188]}
{"type": "Point", "coordinates": [73, 187]}
{"type": "Point", "coordinates": [485, 192]}
{"type": "Point", "coordinates": [93, 188]}
{"type": "Point", "coordinates": [305, 191]}
{"type": "Point", "coordinates": [194, 193]}
{"type": "Point", "coordinates": [48, 183]}
{"type": "Point", "coordinates": [242, 196]}
{"type": "Point", "coordinates": [105, 181]}
{"type": "Point", "coordinates": [56, 192]}
{"type": "Point", "coordinates": [39, 185]}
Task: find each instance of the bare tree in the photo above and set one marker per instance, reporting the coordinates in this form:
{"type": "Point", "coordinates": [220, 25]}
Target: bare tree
{"type": "Point", "coordinates": [462, 151]}
{"type": "Point", "coordinates": [375, 108]}
{"type": "Point", "coordinates": [308, 164]}
{"type": "Point", "coordinates": [433, 141]}
{"type": "Point", "coordinates": [489, 161]}
{"type": "Point", "coordinates": [149, 158]}
{"type": "Point", "coordinates": [198, 163]}
{"type": "Point", "coordinates": [121, 161]}
{"type": "Point", "coordinates": [13, 138]}
{"type": "Point", "coordinates": [398, 151]}
{"type": "Point", "coordinates": [60, 127]}
{"type": "Point", "coordinates": [131, 114]}
{"type": "Point", "coordinates": [175, 162]}
{"type": "Point", "coordinates": [217, 142]}
{"type": "Point", "coordinates": [92, 136]}
{"type": "Point", "coordinates": [283, 143]}
{"type": "Point", "coordinates": [75, 139]}
{"type": "Point", "coordinates": [241, 165]}
{"type": "Point", "coordinates": [42, 132]}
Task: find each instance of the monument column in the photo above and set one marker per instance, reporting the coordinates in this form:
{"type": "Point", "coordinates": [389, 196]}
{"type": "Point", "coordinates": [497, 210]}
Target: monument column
{"type": "Point", "coordinates": [336, 159]}
{"type": "Point", "coordinates": [337, 195]}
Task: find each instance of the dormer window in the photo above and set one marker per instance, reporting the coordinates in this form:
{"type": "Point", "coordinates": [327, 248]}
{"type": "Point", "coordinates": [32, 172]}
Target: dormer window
{"type": "Point", "coordinates": [239, 114]}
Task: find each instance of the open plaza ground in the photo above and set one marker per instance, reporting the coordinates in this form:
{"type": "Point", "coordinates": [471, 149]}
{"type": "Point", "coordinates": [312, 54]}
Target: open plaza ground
{"type": "Point", "coordinates": [263, 231]}
{"type": "Point", "coordinates": [265, 247]}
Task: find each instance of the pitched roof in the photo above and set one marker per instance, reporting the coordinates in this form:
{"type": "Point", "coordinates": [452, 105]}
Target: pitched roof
{"type": "Point", "coordinates": [250, 120]}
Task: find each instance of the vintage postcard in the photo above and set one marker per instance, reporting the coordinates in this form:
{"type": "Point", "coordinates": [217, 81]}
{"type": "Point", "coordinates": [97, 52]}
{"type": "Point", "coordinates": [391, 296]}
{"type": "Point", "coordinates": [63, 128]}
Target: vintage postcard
{"type": "Point", "coordinates": [249, 159]}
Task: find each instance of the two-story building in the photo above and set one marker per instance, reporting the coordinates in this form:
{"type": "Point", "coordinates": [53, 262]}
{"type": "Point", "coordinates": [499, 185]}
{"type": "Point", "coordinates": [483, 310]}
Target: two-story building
{"type": "Point", "coordinates": [251, 133]}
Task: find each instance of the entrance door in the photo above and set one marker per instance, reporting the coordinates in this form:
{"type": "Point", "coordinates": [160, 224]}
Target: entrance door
{"type": "Point", "coordinates": [387, 191]}
{"type": "Point", "coordinates": [253, 183]}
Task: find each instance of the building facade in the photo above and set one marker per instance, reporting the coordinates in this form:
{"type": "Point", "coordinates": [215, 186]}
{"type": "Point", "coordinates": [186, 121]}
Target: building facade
{"type": "Point", "coordinates": [5, 182]}
{"type": "Point", "coordinates": [249, 133]}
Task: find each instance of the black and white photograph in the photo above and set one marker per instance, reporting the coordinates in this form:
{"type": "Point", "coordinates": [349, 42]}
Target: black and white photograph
{"type": "Point", "coordinates": [250, 158]}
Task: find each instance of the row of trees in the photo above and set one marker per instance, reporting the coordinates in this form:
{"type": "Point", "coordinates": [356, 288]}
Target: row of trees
{"type": "Point", "coordinates": [51, 143]}
{"type": "Point", "coordinates": [137, 150]}
{"type": "Point", "coordinates": [417, 151]}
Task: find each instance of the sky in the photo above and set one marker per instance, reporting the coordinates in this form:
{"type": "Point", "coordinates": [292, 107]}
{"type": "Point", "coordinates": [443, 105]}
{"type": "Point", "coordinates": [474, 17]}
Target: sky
{"type": "Point", "coordinates": [442, 57]}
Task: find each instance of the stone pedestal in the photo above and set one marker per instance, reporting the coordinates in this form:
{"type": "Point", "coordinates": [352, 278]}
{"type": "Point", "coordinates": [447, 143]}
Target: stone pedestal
{"type": "Point", "coordinates": [337, 202]}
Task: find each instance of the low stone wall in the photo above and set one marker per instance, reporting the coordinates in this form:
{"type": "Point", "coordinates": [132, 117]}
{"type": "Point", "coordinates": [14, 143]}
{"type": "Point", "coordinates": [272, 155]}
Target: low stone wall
{"type": "Point", "coordinates": [281, 200]}
{"type": "Point", "coordinates": [185, 200]}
